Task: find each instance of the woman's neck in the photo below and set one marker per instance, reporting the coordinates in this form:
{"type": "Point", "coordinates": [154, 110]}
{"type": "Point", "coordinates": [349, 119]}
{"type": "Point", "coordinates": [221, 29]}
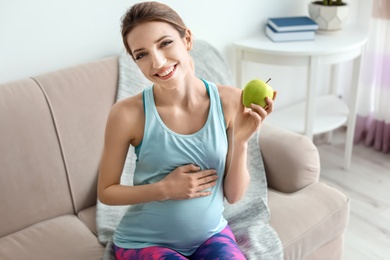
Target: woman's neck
{"type": "Point", "coordinates": [187, 93]}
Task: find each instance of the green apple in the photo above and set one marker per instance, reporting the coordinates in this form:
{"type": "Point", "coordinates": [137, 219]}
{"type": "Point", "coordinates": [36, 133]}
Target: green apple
{"type": "Point", "coordinates": [256, 91]}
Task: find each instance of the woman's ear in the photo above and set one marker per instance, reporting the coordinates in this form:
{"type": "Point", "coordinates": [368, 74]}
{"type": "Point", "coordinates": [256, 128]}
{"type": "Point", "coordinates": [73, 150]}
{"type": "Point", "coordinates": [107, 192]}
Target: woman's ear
{"type": "Point", "coordinates": [188, 39]}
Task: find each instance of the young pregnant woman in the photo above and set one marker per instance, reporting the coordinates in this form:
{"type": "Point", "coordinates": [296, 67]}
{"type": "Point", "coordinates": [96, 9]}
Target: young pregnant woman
{"type": "Point", "coordinates": [190, 137]}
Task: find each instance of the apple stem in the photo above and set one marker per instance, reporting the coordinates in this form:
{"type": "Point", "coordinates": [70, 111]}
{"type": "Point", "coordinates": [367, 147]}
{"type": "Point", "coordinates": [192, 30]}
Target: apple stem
{"type": "Point", "coordinates": [268, 80]}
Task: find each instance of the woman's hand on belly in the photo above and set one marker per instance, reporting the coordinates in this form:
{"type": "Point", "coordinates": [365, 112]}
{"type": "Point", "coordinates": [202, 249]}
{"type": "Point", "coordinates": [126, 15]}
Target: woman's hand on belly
{"type": "Point", "coordinates": [187, 182]}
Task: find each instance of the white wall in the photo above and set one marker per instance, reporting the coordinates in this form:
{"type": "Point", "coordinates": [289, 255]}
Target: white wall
{"type": "Point", "coordinates": [45, 35]}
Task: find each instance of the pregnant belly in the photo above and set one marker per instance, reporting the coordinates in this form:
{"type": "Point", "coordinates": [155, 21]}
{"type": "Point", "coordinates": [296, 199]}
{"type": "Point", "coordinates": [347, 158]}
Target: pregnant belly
{"type": "Point", "coordinates": [196, 215]}
{"type": "Point", "coordinates": [182, 225]}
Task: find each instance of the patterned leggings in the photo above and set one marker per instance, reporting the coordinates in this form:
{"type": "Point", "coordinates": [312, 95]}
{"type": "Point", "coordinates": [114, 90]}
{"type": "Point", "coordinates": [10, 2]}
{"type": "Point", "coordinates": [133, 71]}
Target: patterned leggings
{"type": "Point", "coordinates": [221, 246]}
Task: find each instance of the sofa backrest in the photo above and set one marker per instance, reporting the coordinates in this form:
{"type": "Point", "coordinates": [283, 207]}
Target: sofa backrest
{"type": "Point", "coordinates": [80, 99]}
{"type": "Point", "coordinates": [51, 136]}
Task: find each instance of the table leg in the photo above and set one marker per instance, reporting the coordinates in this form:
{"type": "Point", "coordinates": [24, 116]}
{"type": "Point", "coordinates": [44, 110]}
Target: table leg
{"type": "Point", "coordinates": [312, 82]}
{"type": "Point", "coordinates": [334, 78]}
{"type": "Point", "coordinates": [352, 113]}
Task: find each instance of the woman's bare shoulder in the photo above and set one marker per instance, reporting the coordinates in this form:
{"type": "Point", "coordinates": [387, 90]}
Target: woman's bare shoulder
{"type": "Point", "coordinates": [228, 92]}
{"type": "Point", "coordinates": [127, 108]}
{"type": "Point", "coordinates": [127, 117]}
{"type": "Point", "coordinates": [231, 98]}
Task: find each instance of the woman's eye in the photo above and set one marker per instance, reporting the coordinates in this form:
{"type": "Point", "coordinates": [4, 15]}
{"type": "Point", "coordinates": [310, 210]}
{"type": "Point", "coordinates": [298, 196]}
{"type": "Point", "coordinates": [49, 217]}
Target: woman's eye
{"type": "Point", "coordinates": [140, 56]}
{"type": "Point", "coordinates": [165, 43]}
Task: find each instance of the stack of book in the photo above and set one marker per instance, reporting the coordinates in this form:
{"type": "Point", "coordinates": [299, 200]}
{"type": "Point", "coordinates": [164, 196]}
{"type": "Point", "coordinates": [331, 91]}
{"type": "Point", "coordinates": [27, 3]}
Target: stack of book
{"type": "Point", "coordinates": [295, 28]}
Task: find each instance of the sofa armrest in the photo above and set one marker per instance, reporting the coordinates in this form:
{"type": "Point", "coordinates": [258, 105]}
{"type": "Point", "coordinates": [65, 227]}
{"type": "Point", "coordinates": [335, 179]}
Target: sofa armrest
{"type": "Point", "coordinates": [291, 160]}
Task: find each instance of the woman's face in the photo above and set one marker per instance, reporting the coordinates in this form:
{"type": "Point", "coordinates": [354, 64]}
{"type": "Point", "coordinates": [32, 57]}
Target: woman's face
{"type": "Point", "coordinates": [160, 52]}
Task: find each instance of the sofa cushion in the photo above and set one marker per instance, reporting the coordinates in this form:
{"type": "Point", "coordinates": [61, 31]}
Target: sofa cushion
{"type": "Point", "coordinates": [294, 173]}
{"type": "Point", "coordinates": [88, 217]}
{"type": "Point", "coordinates": [80, 99]}
{"type": "Point", "coordinates": [33, 183]}
{"type": "Point", "coordinates": [61, 238]}
{"type": "Point", "coordinates": [308, 219]}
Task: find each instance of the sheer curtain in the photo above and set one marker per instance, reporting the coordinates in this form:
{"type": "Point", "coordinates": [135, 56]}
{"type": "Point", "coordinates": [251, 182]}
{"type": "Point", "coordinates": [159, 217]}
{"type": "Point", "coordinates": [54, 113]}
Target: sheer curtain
{"type": "Point", "coordinates": [373, 119]}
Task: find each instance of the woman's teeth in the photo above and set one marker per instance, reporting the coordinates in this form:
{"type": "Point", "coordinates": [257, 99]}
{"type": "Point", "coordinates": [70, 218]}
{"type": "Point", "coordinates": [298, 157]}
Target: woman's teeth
{"type": "Point", "coordinates": [166, 72]}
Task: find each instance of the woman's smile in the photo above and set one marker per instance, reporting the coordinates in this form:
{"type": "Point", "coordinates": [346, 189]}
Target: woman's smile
{"type": "Point", "coordinates": [166, 72]}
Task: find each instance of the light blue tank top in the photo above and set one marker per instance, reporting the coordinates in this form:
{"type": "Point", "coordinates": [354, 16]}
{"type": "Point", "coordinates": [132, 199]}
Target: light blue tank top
{"type": "Point", "coordinates": [182, 225]}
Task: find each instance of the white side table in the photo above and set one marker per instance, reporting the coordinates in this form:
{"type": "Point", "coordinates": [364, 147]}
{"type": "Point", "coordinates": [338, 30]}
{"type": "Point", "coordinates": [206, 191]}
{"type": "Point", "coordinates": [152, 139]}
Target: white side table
{"type": "Point", "coordinates": [317, 114]}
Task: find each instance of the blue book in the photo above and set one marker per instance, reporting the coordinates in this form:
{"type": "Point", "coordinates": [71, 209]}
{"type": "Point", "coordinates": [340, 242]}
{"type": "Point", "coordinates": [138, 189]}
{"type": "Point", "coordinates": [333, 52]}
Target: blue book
{"type": "Point", "coordinates": [293, 23]}
{"type": "Point", "coordinates": [289, 36]}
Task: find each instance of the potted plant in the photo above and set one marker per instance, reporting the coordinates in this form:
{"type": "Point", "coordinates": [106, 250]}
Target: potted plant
{"type": "Point", "coordinates": [330, 15]}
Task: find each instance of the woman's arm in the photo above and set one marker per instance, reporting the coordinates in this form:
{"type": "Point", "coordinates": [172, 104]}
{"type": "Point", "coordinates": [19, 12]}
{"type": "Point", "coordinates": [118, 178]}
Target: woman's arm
{"type": "Point", "coordinates": [236, 174]}
{"type": "Point", "coordinates": [120, 132]}
{"type": "Point", "coordinates": [242, 124]}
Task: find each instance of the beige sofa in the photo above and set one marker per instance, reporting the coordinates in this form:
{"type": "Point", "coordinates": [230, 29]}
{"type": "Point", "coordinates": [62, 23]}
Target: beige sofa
{"type": "Point", "coordinates": [51, 134]}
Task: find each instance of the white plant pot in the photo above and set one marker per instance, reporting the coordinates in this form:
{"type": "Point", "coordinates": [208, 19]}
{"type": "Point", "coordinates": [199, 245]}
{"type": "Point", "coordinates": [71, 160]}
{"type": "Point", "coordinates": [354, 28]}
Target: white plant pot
{"type": "Point", "coordinates": [330, 19]}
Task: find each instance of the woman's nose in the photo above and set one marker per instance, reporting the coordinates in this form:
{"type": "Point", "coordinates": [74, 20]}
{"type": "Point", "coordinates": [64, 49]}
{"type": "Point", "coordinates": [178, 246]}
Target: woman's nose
{"type": "Point", "coordinates": [158, 60]}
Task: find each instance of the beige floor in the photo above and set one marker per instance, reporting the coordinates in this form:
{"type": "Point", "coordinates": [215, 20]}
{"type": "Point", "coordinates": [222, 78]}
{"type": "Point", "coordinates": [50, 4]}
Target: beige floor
{"type": "Point", "coordinates": [368, 185]}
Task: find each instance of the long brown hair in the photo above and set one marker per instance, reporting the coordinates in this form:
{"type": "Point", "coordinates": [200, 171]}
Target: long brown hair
{"type": "Point", "coordinates": [149, 12]}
